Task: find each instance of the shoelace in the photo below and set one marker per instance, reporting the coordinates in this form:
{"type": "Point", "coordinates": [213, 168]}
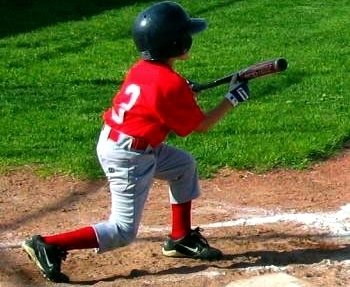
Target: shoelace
{"type": "Point", "coordinates": [197, 233]}
{"type": "Point", "coordinates": [63, 254]}
{"type": "Point", "coordinates": [60, 255]}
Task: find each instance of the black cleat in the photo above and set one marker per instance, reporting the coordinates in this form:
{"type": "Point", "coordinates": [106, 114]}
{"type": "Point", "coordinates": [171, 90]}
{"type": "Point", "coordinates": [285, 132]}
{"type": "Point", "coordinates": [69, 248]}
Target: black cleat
{"type": "Point", "coordinates": [47, 257]}
{"type": "Point", "coordinates": [193, 245]}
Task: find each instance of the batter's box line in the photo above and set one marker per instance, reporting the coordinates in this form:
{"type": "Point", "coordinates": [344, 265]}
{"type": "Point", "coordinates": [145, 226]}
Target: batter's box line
{"type": "Point", "coordinates": [12, 245]}
{"type": "Point", "coordinates": [336, 225]}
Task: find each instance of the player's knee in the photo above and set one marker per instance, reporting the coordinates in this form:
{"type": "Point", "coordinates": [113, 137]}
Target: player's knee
{"type": "Point", "coordinates": [187, 162]}
{"type": "Point", "coordinates": [127, 236]}
{"type": "Point", "coordinates": [123, 233]}
{"type": "Point", "coordinates": [192, 166]}
{"type": "Point", "coordinates": [112, 235]}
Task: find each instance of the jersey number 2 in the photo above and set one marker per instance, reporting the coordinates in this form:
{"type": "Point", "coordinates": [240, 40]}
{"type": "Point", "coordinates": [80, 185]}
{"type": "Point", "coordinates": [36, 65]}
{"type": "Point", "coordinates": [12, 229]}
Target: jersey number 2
{"type": "Point", "coordinates": [133, 91]}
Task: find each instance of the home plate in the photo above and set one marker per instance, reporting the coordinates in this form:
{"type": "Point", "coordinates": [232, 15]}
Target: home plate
{"type": "Point", "coordinates": [270, 280]}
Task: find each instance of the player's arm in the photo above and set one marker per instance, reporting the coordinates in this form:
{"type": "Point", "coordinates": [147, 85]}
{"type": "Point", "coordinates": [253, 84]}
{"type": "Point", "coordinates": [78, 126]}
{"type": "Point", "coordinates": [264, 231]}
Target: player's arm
{"type": "Point", "coordinates": [238, 92]}
{"type": "Point", "coordinates": [213, 116]}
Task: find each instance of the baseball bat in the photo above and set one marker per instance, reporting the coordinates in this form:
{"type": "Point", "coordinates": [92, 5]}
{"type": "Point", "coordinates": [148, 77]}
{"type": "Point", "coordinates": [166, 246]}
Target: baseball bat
{"type": "Point", "coordinates": [251, 72]}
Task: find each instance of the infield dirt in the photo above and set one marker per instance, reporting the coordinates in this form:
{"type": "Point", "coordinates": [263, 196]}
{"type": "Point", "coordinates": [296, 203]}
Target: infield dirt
{"type": "Point", "coordinates": [33, 205]}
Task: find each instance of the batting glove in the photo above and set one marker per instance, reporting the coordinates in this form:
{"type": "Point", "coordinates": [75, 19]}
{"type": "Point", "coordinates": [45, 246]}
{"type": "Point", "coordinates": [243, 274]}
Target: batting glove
{"type": "Point", "coordinates": [238, 92]}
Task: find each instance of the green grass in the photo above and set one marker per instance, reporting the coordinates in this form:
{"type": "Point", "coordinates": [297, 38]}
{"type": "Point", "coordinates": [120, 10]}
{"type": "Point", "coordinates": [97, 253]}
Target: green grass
{"type": "Point", "coordinates": [60, 69]}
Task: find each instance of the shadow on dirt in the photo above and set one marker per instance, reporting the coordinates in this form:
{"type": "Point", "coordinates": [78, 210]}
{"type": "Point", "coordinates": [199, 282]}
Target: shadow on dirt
{"type": "Point", "coordinates": [7, 262]}
{"type": "Point", "coordinates": [9, 266]}
{"type": "Point", "coordinates": [136, 273]}
{"type": "Point", "coordinates": [73, 197]}
{"type": "Point", "coordinates": [244, 260]}
{"type": "Point", "coordinates": [285, 258]}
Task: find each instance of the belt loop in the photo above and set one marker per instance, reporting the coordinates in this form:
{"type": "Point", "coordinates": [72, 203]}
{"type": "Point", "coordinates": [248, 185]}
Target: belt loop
{"type": "Point", "coordinates": [114, 135]}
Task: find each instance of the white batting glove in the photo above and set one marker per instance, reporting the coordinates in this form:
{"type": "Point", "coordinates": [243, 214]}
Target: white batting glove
{"type": "Point", "coordinates": [238, 92]}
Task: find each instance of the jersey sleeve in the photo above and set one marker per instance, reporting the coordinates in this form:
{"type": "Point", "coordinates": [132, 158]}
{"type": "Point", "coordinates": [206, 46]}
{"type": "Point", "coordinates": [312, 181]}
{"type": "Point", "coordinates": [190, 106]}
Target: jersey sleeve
{"type": "Point", "coordinates": [178, 108]}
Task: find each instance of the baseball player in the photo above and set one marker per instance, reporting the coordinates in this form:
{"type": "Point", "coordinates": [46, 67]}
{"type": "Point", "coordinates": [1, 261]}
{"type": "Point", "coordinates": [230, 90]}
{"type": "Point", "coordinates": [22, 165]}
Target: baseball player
{"type": "Point", "coordinates": [153, 101]}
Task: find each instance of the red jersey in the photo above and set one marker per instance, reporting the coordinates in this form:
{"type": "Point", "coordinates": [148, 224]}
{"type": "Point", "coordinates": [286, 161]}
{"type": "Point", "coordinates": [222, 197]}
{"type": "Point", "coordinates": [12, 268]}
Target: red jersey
{"type": "Point", "coordinates": [153, 101]}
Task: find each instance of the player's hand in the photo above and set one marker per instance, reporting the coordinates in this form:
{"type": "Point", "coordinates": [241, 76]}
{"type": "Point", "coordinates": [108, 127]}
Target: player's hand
{"type": "Point", "coordinates": [238, 92]}
{"type": "Point", "coordinates": [193, 85]}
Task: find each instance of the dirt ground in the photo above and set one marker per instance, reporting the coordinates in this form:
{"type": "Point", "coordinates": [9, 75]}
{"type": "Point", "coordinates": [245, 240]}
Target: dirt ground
{"type": "Point", "coordinates": [33, 205]}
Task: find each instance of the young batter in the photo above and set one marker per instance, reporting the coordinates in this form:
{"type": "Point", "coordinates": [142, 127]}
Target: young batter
{"type": "Point", "coordinates": [153, 101]}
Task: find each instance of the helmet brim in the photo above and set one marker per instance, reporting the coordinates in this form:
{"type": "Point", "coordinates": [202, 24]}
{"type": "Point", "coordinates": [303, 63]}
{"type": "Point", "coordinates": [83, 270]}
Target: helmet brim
{"type": "Point", "coordinates": [197, 25]}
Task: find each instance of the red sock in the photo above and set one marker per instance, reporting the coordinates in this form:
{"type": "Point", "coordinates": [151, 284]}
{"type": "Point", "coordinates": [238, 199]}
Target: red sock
{"type": "Point", "coordinates": [83, 238]}
{"type": "Point", "coordinates": [181, 220]}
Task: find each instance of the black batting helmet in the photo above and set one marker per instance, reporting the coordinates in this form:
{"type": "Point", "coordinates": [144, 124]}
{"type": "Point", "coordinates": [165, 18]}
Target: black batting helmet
{"type": "Point", "coordinates": [165, 30]}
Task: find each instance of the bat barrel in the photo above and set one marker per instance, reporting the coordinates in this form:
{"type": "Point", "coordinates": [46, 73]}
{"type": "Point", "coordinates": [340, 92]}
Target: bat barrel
{"type": "Point", "coordinates": [281, 64]}
{"type": "Point", "coordinates": [262, 69]}
{"type": "Point", "coordinates": [251, 72]}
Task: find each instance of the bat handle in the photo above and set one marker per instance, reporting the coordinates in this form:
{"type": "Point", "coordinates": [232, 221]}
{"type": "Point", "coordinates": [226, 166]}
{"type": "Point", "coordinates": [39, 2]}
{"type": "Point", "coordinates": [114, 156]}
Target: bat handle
{"type": "Point", "coordinates": [200, 87]}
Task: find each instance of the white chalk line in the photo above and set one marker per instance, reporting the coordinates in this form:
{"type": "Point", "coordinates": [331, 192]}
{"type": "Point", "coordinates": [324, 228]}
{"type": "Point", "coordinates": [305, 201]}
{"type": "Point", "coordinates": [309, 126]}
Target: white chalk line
{"type": "Point", "coordinates": [11, 245]}
{"type": "Point", "coordinates": [333, 224]}
{"type": "Point", "coordinates": [211, 274]}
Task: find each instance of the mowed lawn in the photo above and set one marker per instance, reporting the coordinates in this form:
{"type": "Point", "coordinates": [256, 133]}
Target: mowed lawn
{"type": "Point", "coordinates": [62, 61]}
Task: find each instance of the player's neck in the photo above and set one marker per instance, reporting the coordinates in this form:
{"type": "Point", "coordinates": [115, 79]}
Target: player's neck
{"type": "Point", "coordinates": [183, 57]}
{"type": "Point", "coordinates": [170, 62]}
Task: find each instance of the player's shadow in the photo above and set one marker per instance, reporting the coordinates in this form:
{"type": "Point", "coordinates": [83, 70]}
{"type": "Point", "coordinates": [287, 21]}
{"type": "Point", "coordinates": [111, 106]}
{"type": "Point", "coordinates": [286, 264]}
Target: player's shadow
{"type": "Point", "coordinates": [284, 258]}
{"type": "Point", "coordinates": [261, 258]}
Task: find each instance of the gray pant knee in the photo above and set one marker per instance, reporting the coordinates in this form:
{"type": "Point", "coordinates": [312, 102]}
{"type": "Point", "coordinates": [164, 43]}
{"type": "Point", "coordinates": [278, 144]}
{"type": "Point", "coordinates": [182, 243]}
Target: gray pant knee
{"type": "Point", "coordinates": [111, 236]}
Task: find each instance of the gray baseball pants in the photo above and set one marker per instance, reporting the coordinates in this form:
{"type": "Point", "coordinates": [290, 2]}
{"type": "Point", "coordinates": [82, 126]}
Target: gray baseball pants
{"type": "Point", "coordinates": [130, 174]}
